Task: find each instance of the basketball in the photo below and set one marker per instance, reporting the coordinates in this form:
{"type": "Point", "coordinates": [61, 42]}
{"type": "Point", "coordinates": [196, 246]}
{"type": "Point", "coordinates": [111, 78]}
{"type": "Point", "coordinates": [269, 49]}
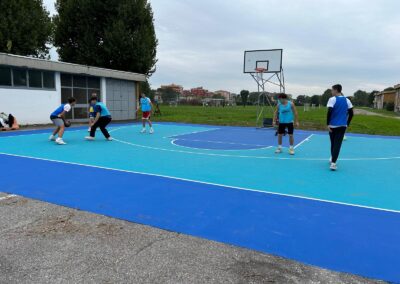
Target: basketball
{"type": "Point", "coordinates": [67, 123]}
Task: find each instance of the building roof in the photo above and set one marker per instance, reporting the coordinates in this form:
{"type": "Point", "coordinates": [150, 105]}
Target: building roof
{"type": "Point", "coordinates": [58, 66]}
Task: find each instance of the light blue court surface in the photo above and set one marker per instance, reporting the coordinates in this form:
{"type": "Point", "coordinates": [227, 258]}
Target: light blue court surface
{"type": "Point", "coordinates": [226, 184]}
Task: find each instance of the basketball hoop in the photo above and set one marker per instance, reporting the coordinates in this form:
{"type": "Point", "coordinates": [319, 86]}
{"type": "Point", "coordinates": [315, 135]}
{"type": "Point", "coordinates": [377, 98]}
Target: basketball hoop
{"type": "Point", "coordinates": [260, 70]}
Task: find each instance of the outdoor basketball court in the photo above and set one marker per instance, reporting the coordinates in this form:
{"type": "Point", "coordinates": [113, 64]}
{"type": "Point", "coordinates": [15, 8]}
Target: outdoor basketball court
{"type": "Point", "coordinates": [226, 184]}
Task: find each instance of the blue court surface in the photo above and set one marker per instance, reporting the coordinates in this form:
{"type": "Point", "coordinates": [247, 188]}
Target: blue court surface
{"type": "Point", "coordinates": [227, 184]}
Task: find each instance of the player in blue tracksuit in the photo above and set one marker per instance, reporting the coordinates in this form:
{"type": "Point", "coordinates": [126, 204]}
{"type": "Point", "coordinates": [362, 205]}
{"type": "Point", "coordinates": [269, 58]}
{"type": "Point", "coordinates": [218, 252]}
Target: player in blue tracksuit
{"type": "Point", "coordinates": [102, 119]}
{"type": "Point", "coordinates": [340, 114]}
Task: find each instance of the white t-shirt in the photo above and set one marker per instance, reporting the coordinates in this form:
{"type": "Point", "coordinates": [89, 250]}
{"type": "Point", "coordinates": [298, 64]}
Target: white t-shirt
{"type": "Point", "coordinates": [67, 107]}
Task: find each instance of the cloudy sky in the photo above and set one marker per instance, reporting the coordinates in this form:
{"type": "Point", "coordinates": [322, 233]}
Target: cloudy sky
{"type": "Point", "coordinates": [352, 42]}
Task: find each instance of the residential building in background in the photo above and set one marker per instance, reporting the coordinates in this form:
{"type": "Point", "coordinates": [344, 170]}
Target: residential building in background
{"type": "Point", "coordinates": [199, 92]}
{"type": "Point", "coordinates": [176, 88]}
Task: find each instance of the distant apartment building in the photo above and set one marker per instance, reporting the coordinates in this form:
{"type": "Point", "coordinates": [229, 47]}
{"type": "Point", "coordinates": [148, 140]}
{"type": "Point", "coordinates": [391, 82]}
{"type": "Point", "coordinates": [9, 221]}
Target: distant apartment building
{"type": "Point", "coordinates": [176, 88]}
{"type": "Point", "coordinates": [385, 97]}
{"type": "Point", "coordinates": [199, 92]}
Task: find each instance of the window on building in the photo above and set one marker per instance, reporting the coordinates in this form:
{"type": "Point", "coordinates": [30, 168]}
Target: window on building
{"type": "Point", "coordinates": [48, 80]}
{"type": "Point", "coordinates": [66, 93]}
{"type": "Point", "coordinates": [66, 80]}
{"type": "Point", "coordinates": [81, 88]}
{"type": "Point", "coordinates": [35, 79]}
{"type": "Point", "coordinates": [5, 76]}
{"type": "Point", "coordinates": [80, 95]}
{"type": "Point", "coordinates": [19, 78]}
{"type": "Point", "coordinates": [79, 81]}
{"type": "Point", "coordinates": [93, 83]}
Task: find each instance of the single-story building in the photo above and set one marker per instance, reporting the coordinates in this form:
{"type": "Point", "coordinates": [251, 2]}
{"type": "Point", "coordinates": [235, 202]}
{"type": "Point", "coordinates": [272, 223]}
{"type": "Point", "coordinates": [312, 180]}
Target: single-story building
{"type": "Point", "coordinates": [384, 97]}
{"type": "Point", "coordinates": [32, 88]}
{"type": "Point", "coordinates": [397, 98]}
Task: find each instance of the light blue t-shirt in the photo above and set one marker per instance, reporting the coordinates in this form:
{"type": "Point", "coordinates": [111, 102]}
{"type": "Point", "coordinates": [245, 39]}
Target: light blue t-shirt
{"type": "Point", "coordinates": [145, 104]}
{"type": "Point", "coordinates": [285, 113]}
{"type": "Point", "coordinates": [100, 107]}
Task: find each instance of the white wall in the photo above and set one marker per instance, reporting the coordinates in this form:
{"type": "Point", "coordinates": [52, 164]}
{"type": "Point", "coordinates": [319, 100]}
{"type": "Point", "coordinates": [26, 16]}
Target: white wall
{"type": "Point", "coordinates": [31, 106]}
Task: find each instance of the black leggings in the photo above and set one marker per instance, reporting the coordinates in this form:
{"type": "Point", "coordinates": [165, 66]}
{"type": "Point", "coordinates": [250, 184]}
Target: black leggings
{"type": "Point", "coordinates": [102, 123]}
{"type": "Point", "coordinates": [336, 136]}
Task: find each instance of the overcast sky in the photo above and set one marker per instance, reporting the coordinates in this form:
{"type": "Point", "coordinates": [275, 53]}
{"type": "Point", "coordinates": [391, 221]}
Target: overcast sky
{"type": "Point", "coordinates": [352, 42]}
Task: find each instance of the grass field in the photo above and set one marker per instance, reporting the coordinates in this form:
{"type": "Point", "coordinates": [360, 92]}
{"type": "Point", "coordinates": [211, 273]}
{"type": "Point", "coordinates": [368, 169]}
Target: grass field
{"type": "Point", "coordinates": [246, 116]}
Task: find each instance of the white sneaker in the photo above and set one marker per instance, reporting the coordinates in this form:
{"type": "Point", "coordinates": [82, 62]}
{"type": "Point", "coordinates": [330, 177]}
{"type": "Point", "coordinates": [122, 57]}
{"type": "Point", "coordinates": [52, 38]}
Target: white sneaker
{"type": "Point", "coordinates": [143, 130]}
{"type": "Point", "coordinates": [278, 150]}
{"type": "Point", "coordinates": [333, 167]}
{"type": "Point", "coordinates": [291, 151]}
{"type": "Point", "coordinates": [109, 139]}
{"type": "Point", "coordinates": [52, 138]}
{"type": "Point", "coordinates": [89, 138]}
{"type": "Point", "coordinates": [59, 141]}
{"type": "Point", "coordinates": [151, 130]}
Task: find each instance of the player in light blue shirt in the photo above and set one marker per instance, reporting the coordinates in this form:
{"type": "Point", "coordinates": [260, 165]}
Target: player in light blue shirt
{"type": "Point", "coordinates": [146, 107]}
{"type": "Point", "coordinates": [287, 114]}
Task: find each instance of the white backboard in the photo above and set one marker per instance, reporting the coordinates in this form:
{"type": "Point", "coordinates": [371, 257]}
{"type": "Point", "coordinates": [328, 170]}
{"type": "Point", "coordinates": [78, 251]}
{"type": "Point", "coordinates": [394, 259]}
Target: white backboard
{"type": "Point", "coordinates": [270, 59]}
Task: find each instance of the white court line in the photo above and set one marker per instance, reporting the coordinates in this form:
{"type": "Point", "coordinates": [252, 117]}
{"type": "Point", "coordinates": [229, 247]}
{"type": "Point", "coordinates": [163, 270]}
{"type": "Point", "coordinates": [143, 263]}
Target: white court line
{"type": "Point", "coordinates": [188, 133]}
{"type": "Point", "coordinates": [307, 139]}
{"type": "Point", "coordinates": [50, 131]}
{"type": "Point", "coordinates": [116, 128]}
{"type": "Point", "coordinates": [208, 183]}
{"type": "Point", "coordinates": [251, 157]}
{"type": "Point", "coordinates": [220, 142]}
{"type": "Point", "coordinates": [225, 150]}
{"type": "Point", "coordinates": [7, 197]}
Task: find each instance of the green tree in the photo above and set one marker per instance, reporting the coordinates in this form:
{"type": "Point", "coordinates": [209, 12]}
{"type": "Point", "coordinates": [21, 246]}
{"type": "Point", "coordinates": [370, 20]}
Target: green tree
{"type": "Point", "coordinates": [361, 98]}
{"type": "Point", "coordinates": [315, 100]}
{"type": "Point", "coordinates": [300, 100]}
{"type": "Point", "coordinates": [146, 89]}
{"type": "Point", "coordinates": [244, 94]}
{"type": "Point", "coordinates": [25, 27]}
{"type": "Point", "coordinates": [325, 97]}
{"type": "Point", "coordinates": [112, 34]}
{"type": "Point", "coordinates": [371, 98]}
{"type": "Point", "coordinates": [168, 95]}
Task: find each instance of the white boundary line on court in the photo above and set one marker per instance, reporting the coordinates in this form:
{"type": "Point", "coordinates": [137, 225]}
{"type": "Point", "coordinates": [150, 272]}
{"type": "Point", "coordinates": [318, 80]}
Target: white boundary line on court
{"type": "Point", "coordinates": [188, 133]}
{"type": "Point", "coordinates": [305, 140]}
{"type": "Point", "coordinates": [251, 157]}
{"type": "Point", "coordinates": [7, 197]}
{"type": "Point", "coordinates": [208, 183]}
{"type": "Point", "coordinates": [205, 149]}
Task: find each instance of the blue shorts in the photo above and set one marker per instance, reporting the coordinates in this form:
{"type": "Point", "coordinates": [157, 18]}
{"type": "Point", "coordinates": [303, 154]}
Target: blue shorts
{"type": "Point", "coordinates": [92, 114]}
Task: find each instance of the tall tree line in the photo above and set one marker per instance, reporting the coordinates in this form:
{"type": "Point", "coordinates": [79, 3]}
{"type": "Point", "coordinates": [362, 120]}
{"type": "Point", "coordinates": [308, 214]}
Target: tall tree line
{"type": "Point", "coordinates": [105, 33]}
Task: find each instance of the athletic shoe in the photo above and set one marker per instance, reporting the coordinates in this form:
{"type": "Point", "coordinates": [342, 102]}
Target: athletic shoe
{"type": "Point", "coordinates": [291, 151]}
{"type": "Point", "coordinates": [52, 138]}
{"type": "Point", "coordinates": [143, 130]}
{"type": "Point", "coordinates": [151, 130]}
{"type": "Point", "coordinates": [109, 139]}
{"type": "Point", "coordinates": [344, 138]}
{"type": "Point", "coordinates": [278, 150]}
{"type": "Point", "coordinates": [333, 167]}
{"type": "Point", "coordinates": [59, 141]}
{"type": "Point", "coordinates": [89, 138]}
